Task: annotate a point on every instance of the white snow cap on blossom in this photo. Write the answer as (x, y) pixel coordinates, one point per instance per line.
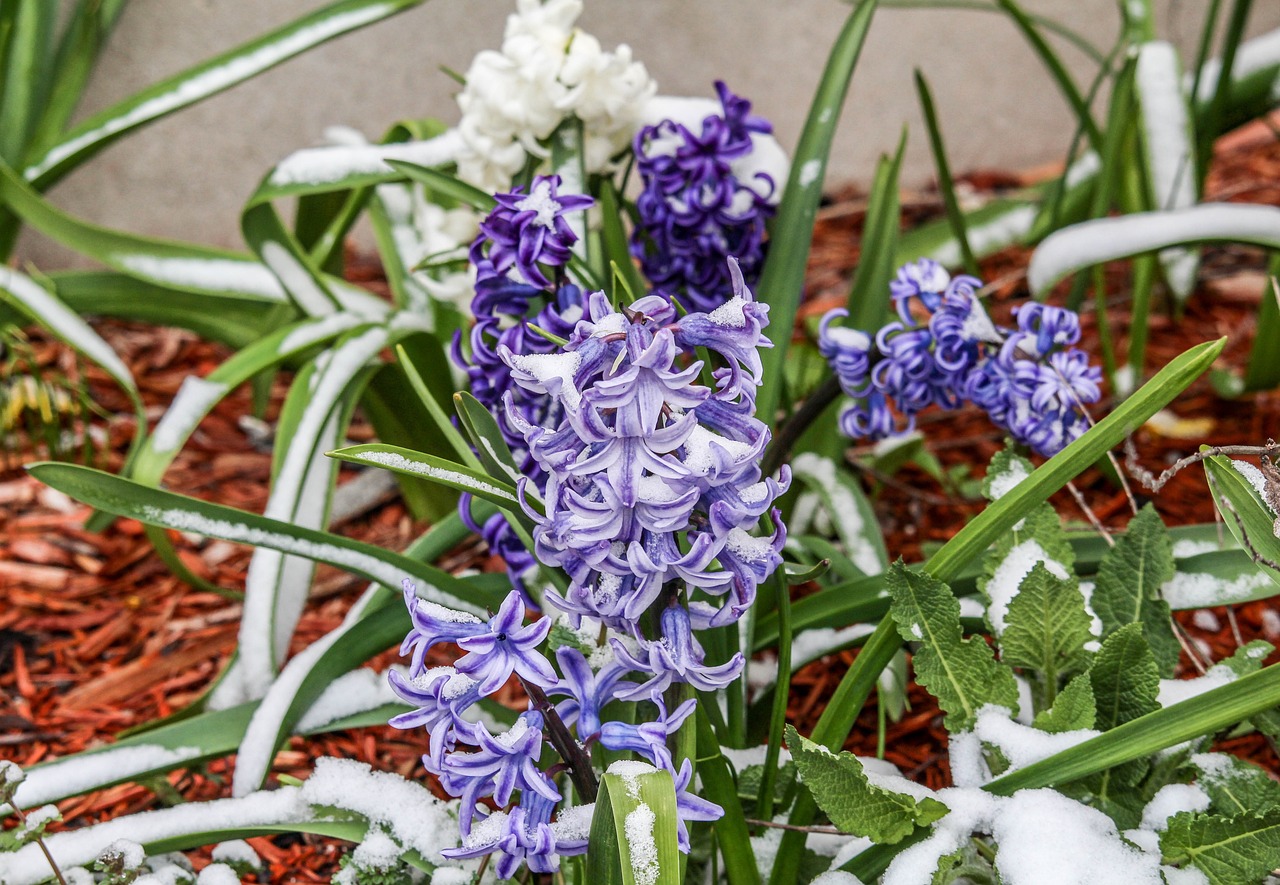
(546, 71)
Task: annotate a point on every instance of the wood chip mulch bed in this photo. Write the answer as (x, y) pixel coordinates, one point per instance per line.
(96, 636)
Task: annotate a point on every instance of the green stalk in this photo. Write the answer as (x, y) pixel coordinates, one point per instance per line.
(782, 281)
(781, 692)
(1222, 93)
(946, 185)
(1207, 30)
(731, 830)
(1056, 68)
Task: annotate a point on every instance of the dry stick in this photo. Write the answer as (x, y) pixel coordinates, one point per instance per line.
(1235, 627)
(797, 424)
(580, 771)
(1090, 515)
(826, 831)
(1155, 483)
(1188, 647)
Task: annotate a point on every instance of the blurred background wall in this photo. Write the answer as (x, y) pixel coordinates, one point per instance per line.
(187, 176)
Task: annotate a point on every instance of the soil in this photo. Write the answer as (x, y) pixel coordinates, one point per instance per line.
(96, 636)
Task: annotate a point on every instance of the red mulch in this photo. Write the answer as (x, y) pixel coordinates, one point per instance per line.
(96, 636)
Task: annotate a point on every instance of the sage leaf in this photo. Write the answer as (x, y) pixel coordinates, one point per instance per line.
(840, 785)
(1237, 850)
(1128, 586)
(962, 674)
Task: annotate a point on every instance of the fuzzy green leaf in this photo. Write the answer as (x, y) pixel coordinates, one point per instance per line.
(1235, 786)
(1046, 627)
(1125, 682)
(1238, 850)
(855, 805)
(961, 673)
(1124, 678)
(1128, 586)
(1073, 709)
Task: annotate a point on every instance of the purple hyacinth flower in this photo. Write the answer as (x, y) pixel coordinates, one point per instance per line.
(848, 351)
(441, 694)
(432, 624)
(526, 230)
(1048, 327)
(501, 765)
(677, 657)
(925, 281)
(587, 691)
(504, 646)
(649, 739)
(689, 807)
(527, 834)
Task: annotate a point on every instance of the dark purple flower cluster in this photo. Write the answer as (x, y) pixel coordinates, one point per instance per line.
(695, 211)
(651, 496)
(944, 350)
(524, 237)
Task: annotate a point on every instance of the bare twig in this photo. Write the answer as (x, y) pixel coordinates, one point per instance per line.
(826, 831)
(1090, 515)
(1153, 483)
(580, 771)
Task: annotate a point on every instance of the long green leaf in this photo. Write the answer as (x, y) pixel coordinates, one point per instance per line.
(207, 79)
(633, 830)
(1263, 372)
(782, 280)
(946, 184)
(155, 507)
(1106, 239)
(878, 257)
(440, 470)
(1253, 523)
(24, 83)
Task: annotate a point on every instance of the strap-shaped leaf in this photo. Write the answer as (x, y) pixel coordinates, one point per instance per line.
(165, 263)
(851, 514)
(207, 79)
(444, 183)
(486, 436)
(868, 302)
(1259, 521)
(1169, 146)
(781, 282)
(633, 829)
(124, 497)
(1106, 239)
(343, 167)
(441, 470)
(36, 303)
(235, 320)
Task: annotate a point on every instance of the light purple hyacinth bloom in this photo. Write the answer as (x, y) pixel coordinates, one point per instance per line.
(943, 350)
(653, 497)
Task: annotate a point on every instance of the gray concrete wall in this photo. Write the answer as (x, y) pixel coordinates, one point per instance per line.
(186, 177)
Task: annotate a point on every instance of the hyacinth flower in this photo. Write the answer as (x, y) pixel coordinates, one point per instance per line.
(525, 238)
(943, 350)
(652, 503)
(695, 211)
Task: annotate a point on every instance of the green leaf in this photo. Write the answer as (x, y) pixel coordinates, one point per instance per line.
(1107, 239)
(1247, 516)
(486, 436)
(633, 830)
(155, 507)
(782, 280)
(878, 258)
(718, 785)
(1237, 850)
(946, 184)
(206, 79)
(1235, 786)
(1128, 586)
(961, 673)
(1124, 678)
(1046, 628)
(439, 470)
(1263, 372)
(445, 184)
(851, 514)
(1073, 709)
(1125, 682)
(855, 805)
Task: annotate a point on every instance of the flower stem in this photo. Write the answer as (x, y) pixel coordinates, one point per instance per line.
(580, 771)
